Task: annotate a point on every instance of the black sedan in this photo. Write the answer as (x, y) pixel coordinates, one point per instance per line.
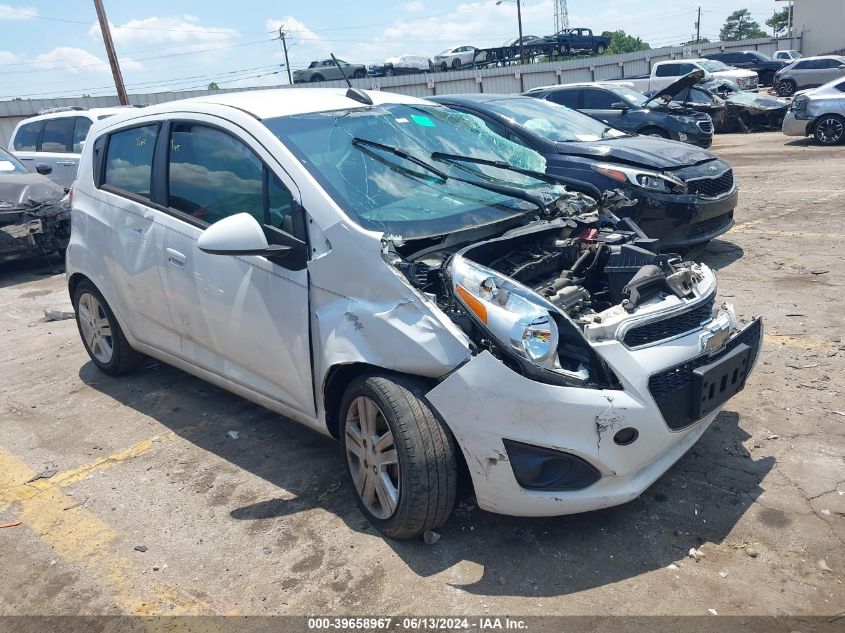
(684, 195)
(631, 111)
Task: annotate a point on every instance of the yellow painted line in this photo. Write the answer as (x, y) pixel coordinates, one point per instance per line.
(802, 342)
(81, 538)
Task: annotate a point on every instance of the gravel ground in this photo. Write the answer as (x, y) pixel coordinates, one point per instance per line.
(264, 524)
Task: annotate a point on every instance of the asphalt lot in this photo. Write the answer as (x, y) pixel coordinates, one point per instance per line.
(264, 524)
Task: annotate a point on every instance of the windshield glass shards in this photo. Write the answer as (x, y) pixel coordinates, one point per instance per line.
(553, 122)
(395, 191)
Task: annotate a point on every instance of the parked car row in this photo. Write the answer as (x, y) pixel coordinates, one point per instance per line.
(504, 243)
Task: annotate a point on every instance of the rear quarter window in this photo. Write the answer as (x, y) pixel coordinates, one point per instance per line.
(129, 159)
(26, 140)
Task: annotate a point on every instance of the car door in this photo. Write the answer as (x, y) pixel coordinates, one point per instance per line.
(24, 145)
(56, 150)
(244, 318)
(598, 103)
(828, 70)
(121, 225)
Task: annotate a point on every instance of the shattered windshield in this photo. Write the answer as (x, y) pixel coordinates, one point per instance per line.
(389, 193)
(553, 122)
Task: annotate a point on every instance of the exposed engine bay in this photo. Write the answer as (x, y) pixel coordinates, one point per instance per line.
(529, 288)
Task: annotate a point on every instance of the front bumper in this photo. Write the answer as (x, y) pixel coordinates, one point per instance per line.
(793, 126)
(484, 402)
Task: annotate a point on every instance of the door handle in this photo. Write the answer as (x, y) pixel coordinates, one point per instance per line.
(175, 259)
(66, 163)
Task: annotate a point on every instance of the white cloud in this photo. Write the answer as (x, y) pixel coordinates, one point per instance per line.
(17, 13)
(7, 58)
(77, 60)
(184, 30)
(414, 7)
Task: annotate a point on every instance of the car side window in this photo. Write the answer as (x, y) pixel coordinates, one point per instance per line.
(667, 70)
(802, 66)
(828, 63)
(683, 69)
(57, 135)
(598, 99)
(568, 98)
(26, 140)
(129, 159)
(213, 175)
(80, 131)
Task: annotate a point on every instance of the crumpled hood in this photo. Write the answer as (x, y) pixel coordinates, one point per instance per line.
(756, 101)
(26, 190)
(676, 87)
(641, 151)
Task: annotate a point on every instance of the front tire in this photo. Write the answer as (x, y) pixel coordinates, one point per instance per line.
(358, 74)
(101, 334)
(316, 78)
(829, 129)
(787, 88)
(456, 64)
(600, 49)
(400, 459)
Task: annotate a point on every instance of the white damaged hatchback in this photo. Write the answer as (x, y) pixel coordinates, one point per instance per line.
(394, 274)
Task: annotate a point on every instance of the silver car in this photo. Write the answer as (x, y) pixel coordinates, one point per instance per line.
(808, 72)
(819, 112)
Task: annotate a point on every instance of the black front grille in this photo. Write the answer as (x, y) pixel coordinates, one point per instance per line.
(672, 389)
(712, 187)
(706, 227)
(667, 328)
(706, 126)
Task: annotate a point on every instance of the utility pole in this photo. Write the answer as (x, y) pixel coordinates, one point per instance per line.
(110, 52)
(519, 19)
(698, 27)
(285, 49)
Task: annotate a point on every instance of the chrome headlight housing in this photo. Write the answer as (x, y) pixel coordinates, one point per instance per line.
(517, 318)
(642, 178)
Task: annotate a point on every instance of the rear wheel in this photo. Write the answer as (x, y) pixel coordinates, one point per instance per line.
(358, 74)
(787, 87)
(400, 459)
(315, 78)
(600, 49)
(456, 64)
(101, 334)
(829, 129)
(655, 131)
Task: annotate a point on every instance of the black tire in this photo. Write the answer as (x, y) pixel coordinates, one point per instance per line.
(829, 129)
(787, 87)
(444, 67)
(315, 78)
(600, 49)
(425, 451)
(123, 358)
(456, 64)
(358, 74)
(655, 131)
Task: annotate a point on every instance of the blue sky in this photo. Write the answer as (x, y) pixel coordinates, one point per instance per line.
(54, 48)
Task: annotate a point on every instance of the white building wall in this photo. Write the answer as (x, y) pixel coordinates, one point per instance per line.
(821, 23)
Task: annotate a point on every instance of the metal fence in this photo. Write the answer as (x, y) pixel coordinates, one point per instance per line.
(507, 79)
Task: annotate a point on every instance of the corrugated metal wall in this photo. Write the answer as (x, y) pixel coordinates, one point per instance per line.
(509, 79)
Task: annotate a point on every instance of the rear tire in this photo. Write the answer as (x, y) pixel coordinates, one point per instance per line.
(400, 459)
(456, 64)
(316, 78)
(829, 129)
(101, 334)
(358, 74)
(600, 49)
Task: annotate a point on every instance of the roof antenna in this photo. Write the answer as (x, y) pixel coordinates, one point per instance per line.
(352, 93)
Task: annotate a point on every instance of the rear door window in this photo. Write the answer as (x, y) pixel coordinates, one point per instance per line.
(598, 99)
(58, 135)
(213, 175)
(26, 140)
(129, 159)
(568, 98)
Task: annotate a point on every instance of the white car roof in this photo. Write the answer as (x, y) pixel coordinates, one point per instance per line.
(265, 104)
(93, 113)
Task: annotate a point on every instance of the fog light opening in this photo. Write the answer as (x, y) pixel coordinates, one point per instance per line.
(626, 436)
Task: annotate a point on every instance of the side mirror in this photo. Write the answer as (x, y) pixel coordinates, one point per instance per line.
(43, 169)
(238, 235)
(619, 105)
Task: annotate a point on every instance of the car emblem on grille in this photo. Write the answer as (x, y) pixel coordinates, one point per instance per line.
(715, 336)
(712, 168)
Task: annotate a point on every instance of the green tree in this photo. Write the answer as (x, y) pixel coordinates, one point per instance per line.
(703, 40)
(779, 22)
(740, 26)
(213, 86)
(621, 42)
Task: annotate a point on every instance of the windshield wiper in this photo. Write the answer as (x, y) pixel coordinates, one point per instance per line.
(576, 185)
(512, 192)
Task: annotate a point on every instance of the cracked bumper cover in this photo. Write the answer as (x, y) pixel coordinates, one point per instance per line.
(484, 401)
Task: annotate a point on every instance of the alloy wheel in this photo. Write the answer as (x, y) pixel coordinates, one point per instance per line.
(373, 460)
(96, 331)
(830, 130)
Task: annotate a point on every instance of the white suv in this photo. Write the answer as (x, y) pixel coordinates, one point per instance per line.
(55, 138)
(323, 254)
